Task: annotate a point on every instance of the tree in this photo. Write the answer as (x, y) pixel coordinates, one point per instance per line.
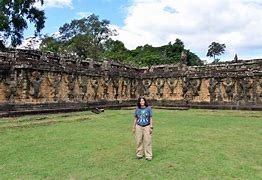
(168, 54)
(49, 44)
(146, 55)
(84, 37)
(193, 59)
(13, 19)
(90, 38)
(173, 51)
(215, 49)
(115, 50)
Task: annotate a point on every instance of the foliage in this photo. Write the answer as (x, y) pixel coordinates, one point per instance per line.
(148, 55)
(145, 55)
(115, 50)
(168, 54)
(215, 49)
(84, 37)
(91, 38)
(13, 19)
(193, 144)
(49, 44)
(193, 59)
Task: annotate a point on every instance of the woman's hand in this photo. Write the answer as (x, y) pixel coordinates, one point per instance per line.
(151, 130)
(133, 130)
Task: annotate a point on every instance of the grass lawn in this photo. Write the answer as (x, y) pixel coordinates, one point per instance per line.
(193, 144)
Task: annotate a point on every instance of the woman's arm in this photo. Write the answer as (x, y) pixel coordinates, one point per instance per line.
(134, 125)
(151, 125)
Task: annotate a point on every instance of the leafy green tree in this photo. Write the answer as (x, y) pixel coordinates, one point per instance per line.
(173, 51)
(168, 54)
(193, 59)
(89, 37)
(146, 55)
(13, 19)
(178, 46)
(50, 44)
(115, 50)
(215, 49)
(84, 37)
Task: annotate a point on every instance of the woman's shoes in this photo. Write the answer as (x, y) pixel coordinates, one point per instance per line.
(139, 157)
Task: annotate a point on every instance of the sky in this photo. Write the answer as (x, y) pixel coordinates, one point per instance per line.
(235, 23)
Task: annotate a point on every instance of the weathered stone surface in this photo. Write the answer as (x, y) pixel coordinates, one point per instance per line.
(36, 80)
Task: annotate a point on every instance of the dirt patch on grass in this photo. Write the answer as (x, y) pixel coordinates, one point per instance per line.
(44, 122)
(229, 115)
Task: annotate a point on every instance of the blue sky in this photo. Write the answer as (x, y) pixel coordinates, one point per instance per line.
(63, 12)
(236, 23)
(112, 10)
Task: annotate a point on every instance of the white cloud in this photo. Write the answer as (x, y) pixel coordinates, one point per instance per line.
(83, 14)
(55, 3)
(236, 23)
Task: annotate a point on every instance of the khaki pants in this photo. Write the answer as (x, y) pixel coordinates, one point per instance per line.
(143, 139)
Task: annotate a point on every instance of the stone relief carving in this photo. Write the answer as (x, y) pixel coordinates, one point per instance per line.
(35, 84)
(115, 87)
(260, 85)
(219, 93)
(133, 87)
(24, 83)
(71, 80)
(254, 89)
(54, 80)
(115, 81)
(195, 86)
(172, 84)
(12, 83)
(259, 93)
(146, 84)
(245, 85)
(160, 86)
(95, 86)
(83, 84)
(106, 86)
(125, 84)
(185, 86)
(212, 89)
(229, 86)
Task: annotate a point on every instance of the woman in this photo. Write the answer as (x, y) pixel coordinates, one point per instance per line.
(143, 128)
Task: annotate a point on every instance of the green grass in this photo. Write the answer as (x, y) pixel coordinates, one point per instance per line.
(193, 144)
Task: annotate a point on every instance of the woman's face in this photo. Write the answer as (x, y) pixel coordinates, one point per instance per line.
(142, 102)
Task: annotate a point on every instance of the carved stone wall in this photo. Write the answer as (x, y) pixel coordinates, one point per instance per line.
(228, 85)
(33, 80)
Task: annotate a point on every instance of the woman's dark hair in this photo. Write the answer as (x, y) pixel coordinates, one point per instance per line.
(138, 102)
